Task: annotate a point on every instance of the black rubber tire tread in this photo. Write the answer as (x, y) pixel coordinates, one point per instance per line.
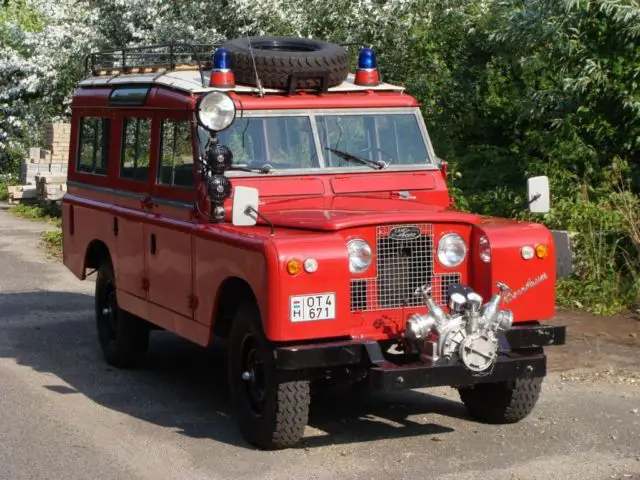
(286, 412)
(129, 347)
(275, 67)
(503, 402)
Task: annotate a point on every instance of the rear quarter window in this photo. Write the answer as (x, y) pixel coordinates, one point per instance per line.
(93, 145)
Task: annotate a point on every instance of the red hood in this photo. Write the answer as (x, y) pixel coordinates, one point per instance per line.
(337, 213)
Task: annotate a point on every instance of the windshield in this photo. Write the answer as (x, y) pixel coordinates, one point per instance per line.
(394, 139)
(289, 142)
(282, 142)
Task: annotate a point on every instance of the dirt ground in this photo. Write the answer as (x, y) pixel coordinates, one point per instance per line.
(607, 348)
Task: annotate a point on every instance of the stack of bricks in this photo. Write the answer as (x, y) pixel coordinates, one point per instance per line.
(43, 175)
(56, 138)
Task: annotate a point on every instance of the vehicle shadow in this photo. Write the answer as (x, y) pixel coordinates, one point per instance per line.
(183, 386)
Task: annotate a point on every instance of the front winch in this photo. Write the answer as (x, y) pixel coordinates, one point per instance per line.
(469, 333)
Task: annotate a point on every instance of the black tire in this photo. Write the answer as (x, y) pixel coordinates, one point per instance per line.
(503, 402)
(271, 415)
(276, 58)
(124, 338)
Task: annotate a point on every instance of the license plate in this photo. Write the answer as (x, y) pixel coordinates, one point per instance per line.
(307, 308)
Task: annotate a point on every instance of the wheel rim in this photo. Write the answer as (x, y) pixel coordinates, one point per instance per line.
(253, 363)
(108, 312)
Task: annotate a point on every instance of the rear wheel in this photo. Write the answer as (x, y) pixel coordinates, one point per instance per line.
(503, 402)
(124, 338)
(271, 414)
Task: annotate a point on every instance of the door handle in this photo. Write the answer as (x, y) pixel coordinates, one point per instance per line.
(147, 203)
(152, 245)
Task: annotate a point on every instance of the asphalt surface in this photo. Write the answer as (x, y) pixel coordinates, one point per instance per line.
(65, 415)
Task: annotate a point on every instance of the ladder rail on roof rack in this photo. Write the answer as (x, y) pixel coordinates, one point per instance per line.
(168, 57)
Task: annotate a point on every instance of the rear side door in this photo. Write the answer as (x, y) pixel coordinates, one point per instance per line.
(172, 223)
(133, 186)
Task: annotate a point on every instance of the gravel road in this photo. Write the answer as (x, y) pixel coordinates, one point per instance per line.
(65, 415)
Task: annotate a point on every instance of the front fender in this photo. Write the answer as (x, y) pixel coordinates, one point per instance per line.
(332, 276)
(532, 282)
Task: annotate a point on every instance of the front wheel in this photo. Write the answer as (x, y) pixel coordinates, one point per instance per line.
(502, 402)
(124, 338)
(271, 414)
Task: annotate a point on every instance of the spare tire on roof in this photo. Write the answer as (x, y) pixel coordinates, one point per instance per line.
(277, 58)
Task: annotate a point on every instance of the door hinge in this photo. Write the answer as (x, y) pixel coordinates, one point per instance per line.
(145, 284)
(193, 302)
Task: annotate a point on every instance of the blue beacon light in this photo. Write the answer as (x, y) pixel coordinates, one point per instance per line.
(221, 59)
(367, 59)
(367, 72)
(221, 73)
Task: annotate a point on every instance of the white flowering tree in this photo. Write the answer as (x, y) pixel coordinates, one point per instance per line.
(42, 44)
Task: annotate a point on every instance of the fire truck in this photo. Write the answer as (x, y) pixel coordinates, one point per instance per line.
(261, 192)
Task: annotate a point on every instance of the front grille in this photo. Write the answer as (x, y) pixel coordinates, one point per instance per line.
(404, 262)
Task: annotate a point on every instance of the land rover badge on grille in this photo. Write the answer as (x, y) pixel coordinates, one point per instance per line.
(404, 233)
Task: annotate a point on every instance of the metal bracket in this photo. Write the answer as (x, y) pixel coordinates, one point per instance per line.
(295, 76)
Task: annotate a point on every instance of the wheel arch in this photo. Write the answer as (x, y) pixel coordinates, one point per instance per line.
(96, 252)
(233, 292)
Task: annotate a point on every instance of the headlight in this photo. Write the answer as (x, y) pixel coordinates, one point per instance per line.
(451, 250)
(359, 255)
(215, 111)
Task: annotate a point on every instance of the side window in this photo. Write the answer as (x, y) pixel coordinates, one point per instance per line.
(93, 145)
(136, 156)
(176, 156)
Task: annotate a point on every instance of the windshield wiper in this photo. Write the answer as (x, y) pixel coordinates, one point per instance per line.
(350, 157)
(265, 169)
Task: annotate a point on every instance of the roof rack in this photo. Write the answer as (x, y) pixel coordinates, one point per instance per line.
(151, 58)
(162, 58)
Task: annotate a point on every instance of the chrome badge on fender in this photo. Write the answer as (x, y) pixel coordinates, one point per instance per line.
(529, 284)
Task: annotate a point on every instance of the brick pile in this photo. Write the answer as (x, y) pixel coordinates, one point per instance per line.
(43, 176)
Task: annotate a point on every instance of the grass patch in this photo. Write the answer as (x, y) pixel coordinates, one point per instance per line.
(49, 213)
(52, 240)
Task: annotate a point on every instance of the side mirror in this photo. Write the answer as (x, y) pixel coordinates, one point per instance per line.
(244, 212)
(538, 194)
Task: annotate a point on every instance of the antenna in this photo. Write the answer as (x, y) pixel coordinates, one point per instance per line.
(255, 69)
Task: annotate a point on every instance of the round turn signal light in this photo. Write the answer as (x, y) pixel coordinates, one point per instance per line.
(542, 251)
(294, 266)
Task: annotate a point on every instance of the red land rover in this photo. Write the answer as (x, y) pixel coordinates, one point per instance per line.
(267, 196)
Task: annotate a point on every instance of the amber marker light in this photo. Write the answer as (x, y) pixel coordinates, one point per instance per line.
(542, 251)
(294, 266)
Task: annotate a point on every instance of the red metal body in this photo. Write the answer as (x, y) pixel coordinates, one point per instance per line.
(178, 286)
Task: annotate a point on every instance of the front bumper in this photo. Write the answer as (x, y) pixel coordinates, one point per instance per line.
(520, 357)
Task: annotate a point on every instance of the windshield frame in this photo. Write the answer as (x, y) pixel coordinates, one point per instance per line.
(431, 162)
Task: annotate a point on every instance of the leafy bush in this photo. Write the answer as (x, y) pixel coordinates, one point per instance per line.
(6, 181)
